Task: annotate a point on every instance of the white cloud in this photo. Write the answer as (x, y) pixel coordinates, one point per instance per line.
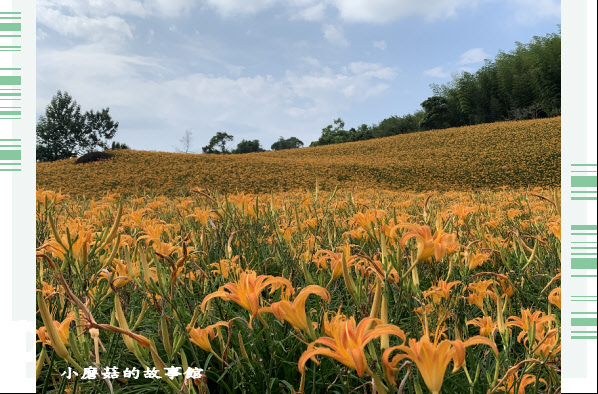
(379, 45)
(380, 11)
(40, 34)
(96, 7)
(139, 8)
(94, 28)
(167, 8)
(312, 13)
(228, 8)
(437, 72)
(531, 11)
(373, 70)
(312, 61)
(474, 55)
(335, 35)
(141, 91)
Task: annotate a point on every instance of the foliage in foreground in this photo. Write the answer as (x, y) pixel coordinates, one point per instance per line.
(516, 154)
(308, 292)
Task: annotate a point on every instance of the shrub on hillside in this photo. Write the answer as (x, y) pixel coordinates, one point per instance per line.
(93, 156)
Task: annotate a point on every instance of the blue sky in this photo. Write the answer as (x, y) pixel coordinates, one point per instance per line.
(261, 69)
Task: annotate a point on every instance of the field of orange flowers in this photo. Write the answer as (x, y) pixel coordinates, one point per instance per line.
(352, 290)
(515, 154)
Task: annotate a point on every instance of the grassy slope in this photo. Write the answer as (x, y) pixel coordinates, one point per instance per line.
(517, 154)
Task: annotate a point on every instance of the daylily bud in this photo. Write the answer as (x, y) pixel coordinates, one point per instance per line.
(242, 346)
(51, 330)
(347, 276)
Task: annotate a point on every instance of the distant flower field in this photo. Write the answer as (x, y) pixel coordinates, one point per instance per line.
(515, 154)
(353, 290)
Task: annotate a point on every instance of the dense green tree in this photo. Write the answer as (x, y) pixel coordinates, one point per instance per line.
(218, 141)
(395, 125)
(334, 134)
(435, 113)
(64, 131)
(289, 143)
(246, 146)
(119, 145)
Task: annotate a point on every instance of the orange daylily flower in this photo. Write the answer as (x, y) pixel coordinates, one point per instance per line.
(478, 291)
(321, 257)
(509, 385)
(432, 358)
(369, 266)
(62, 328)
(474, 260)
(331, 326)
(555, 297)
(294, 313)
(555, 228)
(346, 345)
(203, 216)
(47, 289)
(154, 232)
(527, 320)
(202, 337)
(547, 344)
(440, 291)
(461, 212)
(119, 277)
(367, 220)
(486, 325)
(246, 291)
(225, 267)
(428, 245)
(79, 248)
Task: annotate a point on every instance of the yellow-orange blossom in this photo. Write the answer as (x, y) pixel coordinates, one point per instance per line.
(246, 291)
(347, 342)
(432, 358)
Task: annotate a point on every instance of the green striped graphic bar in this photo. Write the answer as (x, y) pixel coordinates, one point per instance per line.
(583, 227)
(588, 321)
(10, 80)
(10, 48)
(6, 154)
(584, 181)
(583, 264)
(584, 322)
(10, 27)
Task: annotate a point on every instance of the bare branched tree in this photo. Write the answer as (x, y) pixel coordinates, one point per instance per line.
(186, 143)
